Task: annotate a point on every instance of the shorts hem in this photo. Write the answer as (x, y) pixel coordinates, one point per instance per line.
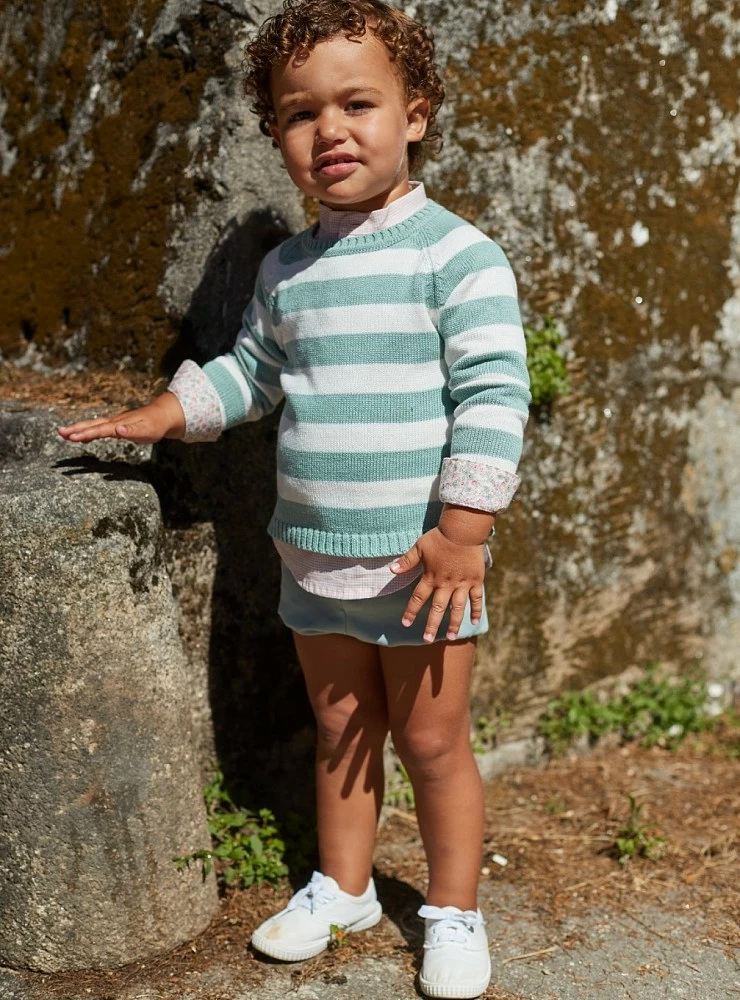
(374, 620)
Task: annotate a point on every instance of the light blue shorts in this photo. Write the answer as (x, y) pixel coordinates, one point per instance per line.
(370, 619)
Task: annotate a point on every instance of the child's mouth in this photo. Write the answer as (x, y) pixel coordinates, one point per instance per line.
(339, 167)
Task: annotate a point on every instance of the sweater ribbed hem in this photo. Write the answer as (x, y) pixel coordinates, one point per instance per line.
(337, 543)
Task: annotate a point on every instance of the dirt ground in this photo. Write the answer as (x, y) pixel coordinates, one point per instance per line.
(78, 390)
(565, 918)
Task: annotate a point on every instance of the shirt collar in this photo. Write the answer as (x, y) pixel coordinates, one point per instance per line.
(337, 223)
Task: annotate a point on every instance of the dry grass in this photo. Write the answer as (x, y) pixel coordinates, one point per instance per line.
(78, 390)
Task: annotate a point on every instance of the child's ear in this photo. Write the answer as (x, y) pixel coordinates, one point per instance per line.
(417, 118)
(275, 133)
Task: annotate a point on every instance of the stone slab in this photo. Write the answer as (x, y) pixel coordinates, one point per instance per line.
(99, 780)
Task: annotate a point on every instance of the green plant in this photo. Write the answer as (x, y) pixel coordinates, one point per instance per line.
(487, 731)
(657, 709)
(660, 709)
(399, 792)
(574, 714)
(337, 935)
(555, 805)
(248, 845)
(636, 840)
(547, 369)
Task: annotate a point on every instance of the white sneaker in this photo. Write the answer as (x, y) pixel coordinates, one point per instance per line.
(456, 959)
(303, 928)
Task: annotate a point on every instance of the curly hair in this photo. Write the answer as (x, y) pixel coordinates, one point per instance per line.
(303, 23)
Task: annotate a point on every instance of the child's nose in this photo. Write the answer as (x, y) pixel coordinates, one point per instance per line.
(330, 126)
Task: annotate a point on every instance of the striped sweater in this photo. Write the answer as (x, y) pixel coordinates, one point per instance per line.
(401, 358)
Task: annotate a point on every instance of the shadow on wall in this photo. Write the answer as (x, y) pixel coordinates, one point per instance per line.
(256, 691)
(214, 316)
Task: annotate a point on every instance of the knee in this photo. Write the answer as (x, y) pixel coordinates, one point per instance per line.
(342, 727)
(430, 751)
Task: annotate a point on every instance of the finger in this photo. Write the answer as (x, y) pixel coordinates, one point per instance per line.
(459, 600)
(81, 425)
(84, 425)
(417, 600)
(476, 604)
(407, 561)
(440, 600)
(103, 429)
(85, 434)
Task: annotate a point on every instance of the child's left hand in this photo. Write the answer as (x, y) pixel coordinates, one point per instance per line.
(453, 570)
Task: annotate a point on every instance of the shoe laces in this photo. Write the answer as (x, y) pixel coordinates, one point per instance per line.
(451, 925)
(313, 895)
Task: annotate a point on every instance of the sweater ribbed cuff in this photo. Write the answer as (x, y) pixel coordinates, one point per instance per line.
(481, 485)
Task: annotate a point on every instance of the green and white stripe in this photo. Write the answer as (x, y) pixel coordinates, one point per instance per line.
(393, 351)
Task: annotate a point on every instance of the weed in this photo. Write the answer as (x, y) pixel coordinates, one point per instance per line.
(636, 840)
(487, 731)
(547, 370)
(399, 792)
(337, 935)
(574, 714)
(658, 709)
(555, 805)
(248, 845)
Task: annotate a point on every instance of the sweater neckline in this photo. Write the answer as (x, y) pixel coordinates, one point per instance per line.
(376, 240)
(337, 223)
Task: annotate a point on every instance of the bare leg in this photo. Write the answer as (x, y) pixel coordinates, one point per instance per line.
(428, 708)
(347, 694)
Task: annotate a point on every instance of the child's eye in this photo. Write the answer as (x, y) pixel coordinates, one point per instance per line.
(359, 105)
(299, 116)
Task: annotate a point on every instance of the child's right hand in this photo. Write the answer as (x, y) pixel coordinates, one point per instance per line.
(163, 418)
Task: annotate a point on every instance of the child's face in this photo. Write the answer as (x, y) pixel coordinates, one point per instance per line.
(343, 123)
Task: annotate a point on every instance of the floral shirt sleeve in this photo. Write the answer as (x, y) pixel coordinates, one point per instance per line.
(481, 485)
(201, 404)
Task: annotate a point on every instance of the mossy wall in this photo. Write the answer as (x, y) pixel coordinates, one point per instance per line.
(596, 141)
(131, 170)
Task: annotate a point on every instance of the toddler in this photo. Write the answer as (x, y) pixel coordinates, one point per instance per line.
(391, 329)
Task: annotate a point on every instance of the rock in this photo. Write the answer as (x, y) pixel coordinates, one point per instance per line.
(11, 988)
(515, 753)
(98, 778)
(247, 698)
(28, 433)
